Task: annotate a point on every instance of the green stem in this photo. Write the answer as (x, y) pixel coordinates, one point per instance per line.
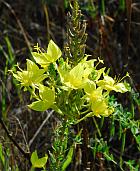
(97, 127)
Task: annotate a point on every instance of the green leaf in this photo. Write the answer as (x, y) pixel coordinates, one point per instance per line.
(109, 158)
(103, 7)
(123, 142)
(137, 139)
(69, 159)
(122, 4)
(55, 108)
(53, 52)
(85, 117)
(1, 154)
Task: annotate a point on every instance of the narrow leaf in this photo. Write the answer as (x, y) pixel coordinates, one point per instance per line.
(68, 160)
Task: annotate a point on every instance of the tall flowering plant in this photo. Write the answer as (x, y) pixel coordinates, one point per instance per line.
(78, 91)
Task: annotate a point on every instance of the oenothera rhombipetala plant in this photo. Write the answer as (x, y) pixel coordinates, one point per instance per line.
(75, 91)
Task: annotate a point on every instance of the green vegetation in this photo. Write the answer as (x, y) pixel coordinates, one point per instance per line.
(92, 114)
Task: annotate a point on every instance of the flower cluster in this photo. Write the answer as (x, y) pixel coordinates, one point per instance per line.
(95, 83)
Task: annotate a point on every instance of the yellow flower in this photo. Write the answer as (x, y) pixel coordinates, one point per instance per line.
(43, 58)
(33, 75)
(99, 102)
(47, 98)
(109, 84)
(100, 108)
(77, 77)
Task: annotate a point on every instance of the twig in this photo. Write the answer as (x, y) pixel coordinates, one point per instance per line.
(39, 129)
(47, 21)
(98, 130)
(19, 23)
(25, 154)
(24, 137)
